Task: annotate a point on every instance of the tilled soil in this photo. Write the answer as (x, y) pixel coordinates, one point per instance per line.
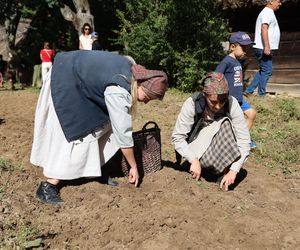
(168, 211)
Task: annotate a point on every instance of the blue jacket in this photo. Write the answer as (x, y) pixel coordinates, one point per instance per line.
(78, 81)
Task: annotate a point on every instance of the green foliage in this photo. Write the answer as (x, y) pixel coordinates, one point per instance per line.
(9, 9)
(144, 36)
(46, 24)
(187, 73)
(181, 37)
(106, 21)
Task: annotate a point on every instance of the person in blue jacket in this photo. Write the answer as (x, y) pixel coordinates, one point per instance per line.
(84, 116)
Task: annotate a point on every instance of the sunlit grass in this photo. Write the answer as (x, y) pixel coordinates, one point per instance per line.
(276, 129)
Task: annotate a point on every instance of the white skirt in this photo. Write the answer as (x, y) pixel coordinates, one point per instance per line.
(59, 158)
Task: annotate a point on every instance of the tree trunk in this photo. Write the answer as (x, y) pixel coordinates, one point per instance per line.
(8, 34)
(4, 44)
(82, 15)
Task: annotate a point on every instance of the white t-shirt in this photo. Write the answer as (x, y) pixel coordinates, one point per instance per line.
(267, 16)
(86, 42)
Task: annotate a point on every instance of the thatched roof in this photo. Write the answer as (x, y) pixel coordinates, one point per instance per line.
(233, 4)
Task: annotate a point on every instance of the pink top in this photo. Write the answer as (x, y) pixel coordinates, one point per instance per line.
(46, 55)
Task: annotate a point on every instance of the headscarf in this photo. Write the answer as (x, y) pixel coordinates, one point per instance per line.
(215, 83)
(154, 82)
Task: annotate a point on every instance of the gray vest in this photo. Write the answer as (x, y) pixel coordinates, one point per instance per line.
(78, 81)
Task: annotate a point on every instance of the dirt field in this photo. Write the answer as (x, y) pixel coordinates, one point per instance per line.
(168, 211)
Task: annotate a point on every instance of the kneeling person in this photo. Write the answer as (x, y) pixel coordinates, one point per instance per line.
(211, 132)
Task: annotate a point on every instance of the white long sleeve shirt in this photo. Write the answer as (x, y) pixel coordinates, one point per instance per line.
(184, 124)
(118, 102)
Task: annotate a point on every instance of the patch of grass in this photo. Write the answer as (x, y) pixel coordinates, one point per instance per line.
(288, 109)
(277, 133)
(20, 87)
(176, 92)
(4, 189)
(280, 136)
(33, 90)
(5, 166)
(19, 234)
(6, 169)
(276, 129)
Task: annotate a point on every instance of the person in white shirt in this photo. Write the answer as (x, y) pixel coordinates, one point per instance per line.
(267, 37)
(85, 39)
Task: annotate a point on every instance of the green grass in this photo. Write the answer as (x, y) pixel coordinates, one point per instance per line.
(277, 132)
(276, 129)
(5, 166)
(19, 234)
(18, 86)
(15, 232)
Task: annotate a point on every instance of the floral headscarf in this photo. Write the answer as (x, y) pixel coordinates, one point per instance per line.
(215, 83)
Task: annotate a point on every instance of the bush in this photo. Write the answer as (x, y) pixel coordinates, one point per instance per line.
(181, 37)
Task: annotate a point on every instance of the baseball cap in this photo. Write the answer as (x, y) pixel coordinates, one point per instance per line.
(95, 34)
(240, 37)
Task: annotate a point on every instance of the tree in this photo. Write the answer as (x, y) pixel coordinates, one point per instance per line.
(182, 37)
(11, 13)
(81, 15)
(33, 12)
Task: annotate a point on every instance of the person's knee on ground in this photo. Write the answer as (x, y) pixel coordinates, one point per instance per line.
(250, 115)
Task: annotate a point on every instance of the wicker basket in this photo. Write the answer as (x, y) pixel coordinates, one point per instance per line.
(147, 150)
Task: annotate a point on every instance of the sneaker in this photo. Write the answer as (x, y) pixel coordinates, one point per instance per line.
(253, 144)
(48, 193)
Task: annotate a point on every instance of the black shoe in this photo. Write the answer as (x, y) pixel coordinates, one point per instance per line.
(48, 193)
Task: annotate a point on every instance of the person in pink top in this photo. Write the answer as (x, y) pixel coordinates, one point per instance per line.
(46, 56)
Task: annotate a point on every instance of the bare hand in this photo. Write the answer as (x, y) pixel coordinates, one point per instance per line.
(134, 176)
(267, 51)
(195, 169)
(228, 179)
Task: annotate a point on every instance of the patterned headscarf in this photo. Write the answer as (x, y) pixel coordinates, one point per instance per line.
(215, 83)
(154, 82)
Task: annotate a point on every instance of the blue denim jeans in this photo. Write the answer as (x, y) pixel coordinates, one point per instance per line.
(262, 76)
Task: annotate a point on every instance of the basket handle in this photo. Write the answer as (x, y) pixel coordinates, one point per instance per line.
(150, 122)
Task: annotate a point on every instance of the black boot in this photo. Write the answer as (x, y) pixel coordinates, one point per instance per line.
(48, 193)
